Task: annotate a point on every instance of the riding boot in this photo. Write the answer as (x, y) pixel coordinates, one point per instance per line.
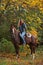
(24, 43)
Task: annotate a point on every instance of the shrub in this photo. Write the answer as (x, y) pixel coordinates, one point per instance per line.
(6, 46)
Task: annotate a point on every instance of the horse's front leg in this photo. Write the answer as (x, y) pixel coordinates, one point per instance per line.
(17, 51)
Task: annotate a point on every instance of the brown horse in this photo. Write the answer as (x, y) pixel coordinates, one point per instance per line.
(31, 41)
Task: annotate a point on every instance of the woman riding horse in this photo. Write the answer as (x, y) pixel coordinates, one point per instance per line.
(22, 29)
(31, 41)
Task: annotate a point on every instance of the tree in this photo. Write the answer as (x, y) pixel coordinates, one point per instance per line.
(30, 10)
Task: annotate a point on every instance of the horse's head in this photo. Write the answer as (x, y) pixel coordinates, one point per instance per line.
(13, 29)
(15, 33)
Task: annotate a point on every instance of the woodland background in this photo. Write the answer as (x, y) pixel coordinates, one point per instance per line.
(31, 11)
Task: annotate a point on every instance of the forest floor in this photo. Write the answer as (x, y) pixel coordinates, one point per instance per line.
(10, 58)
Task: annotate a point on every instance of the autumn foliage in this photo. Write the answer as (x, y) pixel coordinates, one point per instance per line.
(31, 11)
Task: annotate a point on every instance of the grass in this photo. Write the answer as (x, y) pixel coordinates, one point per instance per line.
(10, 59)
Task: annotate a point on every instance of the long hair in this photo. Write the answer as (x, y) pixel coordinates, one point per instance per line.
(20, 22)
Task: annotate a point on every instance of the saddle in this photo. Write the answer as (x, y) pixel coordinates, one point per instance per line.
(27, 37)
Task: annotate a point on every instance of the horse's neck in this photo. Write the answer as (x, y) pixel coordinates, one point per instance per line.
(17, 36)
(16, 33)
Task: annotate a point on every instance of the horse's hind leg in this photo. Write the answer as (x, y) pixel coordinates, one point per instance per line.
(32, 51)
(33, 54)
(31, 48)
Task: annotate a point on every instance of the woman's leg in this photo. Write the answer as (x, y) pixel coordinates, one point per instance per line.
(22, 36)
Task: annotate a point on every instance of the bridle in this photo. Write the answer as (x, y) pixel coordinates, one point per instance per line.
(13, 31)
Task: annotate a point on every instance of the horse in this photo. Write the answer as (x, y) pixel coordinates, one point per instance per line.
(17, 41)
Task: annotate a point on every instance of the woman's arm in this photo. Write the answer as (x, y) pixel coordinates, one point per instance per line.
(25, 26)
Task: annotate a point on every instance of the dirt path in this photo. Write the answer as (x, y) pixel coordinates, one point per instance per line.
(10, 59)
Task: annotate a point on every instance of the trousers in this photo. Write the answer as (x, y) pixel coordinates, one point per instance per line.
(22, 36)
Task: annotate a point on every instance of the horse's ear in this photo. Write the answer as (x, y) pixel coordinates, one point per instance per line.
(12, 25)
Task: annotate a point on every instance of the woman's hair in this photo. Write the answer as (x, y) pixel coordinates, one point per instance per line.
(20, 22)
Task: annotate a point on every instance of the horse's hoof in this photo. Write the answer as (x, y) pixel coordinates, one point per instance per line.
(33, 56)
(17, 57)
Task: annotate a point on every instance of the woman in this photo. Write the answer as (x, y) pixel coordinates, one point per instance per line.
(22, 29)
